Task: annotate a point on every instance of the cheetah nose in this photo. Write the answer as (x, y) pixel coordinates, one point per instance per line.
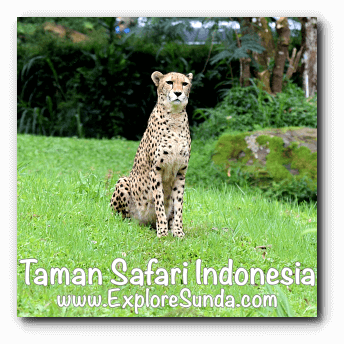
(177, 93)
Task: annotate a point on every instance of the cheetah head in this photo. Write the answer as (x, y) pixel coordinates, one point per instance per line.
(173, 89)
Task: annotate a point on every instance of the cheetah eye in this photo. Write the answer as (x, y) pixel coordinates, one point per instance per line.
(169, 82)
(185, 84)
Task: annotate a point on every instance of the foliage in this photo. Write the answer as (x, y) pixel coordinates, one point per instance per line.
(251, 108)
(108, 90)
(201, 169)
(60, 97)
(301, 189)
(101, 87)
(229, 50)
(244, 43)
(66, 99)
(82, 24)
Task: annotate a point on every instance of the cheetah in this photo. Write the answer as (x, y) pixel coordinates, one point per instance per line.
(153, 192)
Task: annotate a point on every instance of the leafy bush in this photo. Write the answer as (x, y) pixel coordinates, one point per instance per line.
(101, 87)
(81, 24)
(300, 190)
(47, 85)
(250, 108)
(201, 169)
(67, 88)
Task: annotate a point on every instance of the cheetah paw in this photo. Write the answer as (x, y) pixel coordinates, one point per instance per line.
(162, 234)
(179, 234)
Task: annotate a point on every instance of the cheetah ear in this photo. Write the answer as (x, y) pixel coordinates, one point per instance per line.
(189, 76)
(156, 76)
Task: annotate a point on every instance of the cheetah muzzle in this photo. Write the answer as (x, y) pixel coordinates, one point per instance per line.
(153, 192)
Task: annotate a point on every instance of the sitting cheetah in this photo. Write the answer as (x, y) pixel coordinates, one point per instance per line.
(153, 192)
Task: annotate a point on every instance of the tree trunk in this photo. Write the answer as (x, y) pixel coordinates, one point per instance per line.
(282, 27)
(309, 31)
(293, 62)
(264, 32)
(245, 73)
(264, 78)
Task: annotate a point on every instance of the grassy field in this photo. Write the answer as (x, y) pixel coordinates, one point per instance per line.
(64, 220)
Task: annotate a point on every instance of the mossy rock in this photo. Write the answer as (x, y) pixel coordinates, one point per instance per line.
(270, 155)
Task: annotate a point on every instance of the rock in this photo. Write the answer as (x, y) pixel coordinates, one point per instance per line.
(270, 155)
(304, 136)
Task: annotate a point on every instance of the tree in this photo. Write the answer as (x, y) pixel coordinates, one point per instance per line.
(245, 73)
(309, 41)
(275, 52)
(240, 47)
(254, 46)
(263, 59)
(282, 27)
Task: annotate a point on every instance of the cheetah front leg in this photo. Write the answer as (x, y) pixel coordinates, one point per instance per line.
(177, 199)
(158, 194)
(121, 197)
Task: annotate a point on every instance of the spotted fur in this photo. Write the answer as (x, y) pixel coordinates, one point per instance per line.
(153, 192)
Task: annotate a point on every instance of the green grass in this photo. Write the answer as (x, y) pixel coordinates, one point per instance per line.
(64, 220)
